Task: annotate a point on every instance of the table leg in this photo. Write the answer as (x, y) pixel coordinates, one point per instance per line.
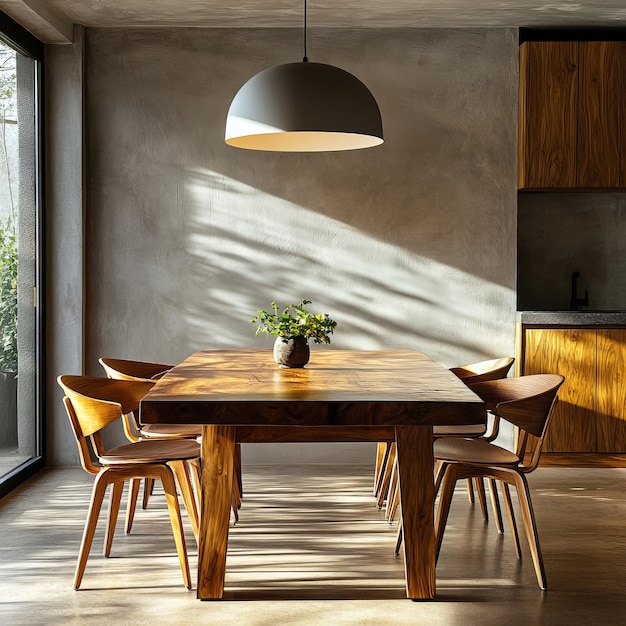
(218, 449)
(417, 497)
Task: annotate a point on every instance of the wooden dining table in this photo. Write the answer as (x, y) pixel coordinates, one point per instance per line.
(242, 396)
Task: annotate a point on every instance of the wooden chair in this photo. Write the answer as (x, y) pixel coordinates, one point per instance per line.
(124, 369)
(386, 476)
(493, 369)
(527, 403)
(92, 403)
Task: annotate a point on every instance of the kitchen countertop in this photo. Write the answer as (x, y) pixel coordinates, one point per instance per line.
(573, 318)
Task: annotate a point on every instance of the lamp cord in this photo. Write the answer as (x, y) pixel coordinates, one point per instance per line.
(305, 58)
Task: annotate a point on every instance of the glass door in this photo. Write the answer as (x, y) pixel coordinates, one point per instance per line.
(21, 444)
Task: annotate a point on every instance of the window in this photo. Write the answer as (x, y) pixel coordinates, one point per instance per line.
(21, 433)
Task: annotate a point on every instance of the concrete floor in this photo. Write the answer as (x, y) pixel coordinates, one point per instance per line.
(10, 458)
(311, 548)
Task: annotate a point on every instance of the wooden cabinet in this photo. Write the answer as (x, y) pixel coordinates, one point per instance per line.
(591, 413)
(611, 391)
(548, 108)
(571, 108)
(572, 354)
(599, 114)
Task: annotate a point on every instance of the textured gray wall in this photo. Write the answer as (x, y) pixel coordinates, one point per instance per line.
(64, 237)
(409, 245)
(562, 233)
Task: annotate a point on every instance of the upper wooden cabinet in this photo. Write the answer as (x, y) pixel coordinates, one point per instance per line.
(571, 107)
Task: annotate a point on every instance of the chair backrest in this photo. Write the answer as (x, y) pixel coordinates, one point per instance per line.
(93, 402)
(526, 402)
(123, 369)
(83, 446)
(493, 369)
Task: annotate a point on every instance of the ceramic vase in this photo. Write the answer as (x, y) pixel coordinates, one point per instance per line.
(294, 352)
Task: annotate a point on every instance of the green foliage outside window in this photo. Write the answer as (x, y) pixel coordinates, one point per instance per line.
(8, 234)
(8, 297)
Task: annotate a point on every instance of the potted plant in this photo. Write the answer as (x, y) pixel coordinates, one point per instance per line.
(8, 333)
(293, 327)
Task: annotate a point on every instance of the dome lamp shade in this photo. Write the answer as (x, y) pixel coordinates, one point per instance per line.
(304, 107)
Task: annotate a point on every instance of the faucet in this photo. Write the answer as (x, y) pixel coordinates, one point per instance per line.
(575, 300)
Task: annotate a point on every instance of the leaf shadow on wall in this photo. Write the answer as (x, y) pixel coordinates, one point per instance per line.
(247, 248)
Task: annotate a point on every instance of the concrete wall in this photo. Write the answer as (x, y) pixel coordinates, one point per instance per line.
(64, 238)
(408, 245)
(563, 233)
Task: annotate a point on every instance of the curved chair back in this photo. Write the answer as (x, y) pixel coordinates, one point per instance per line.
(123, 369)
(526, 402)
(97, 402)
(484, 370)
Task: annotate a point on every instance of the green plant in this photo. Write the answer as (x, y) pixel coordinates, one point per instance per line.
(8, 297)
(295, 321)
(8, 235)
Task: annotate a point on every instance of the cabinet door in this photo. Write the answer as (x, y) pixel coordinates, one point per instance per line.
(548, 110)
(599, 113)
(571, 353)
(611, 403)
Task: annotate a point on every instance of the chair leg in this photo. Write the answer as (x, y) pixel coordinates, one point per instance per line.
(530, 526)
(440, 470)
(194, 468)
(114, 507)
(97, 496)
(470, 491)
(234, 505)
(382, 495)
(495, 502)
(443, 510)
(511, 515)
(399, 536)
(169, 486)
(148, 486)
(131, 506)
(392, 493)
(394, 506)
(238, 474)
(482, 496)
(184, 483)
(236, 495)
(382, 454)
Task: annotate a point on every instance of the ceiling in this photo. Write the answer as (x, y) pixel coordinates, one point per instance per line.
(51, 20)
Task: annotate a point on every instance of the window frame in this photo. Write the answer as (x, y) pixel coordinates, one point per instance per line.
(26, 44)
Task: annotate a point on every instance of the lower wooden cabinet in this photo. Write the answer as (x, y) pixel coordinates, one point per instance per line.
(610, 391)
(591, 413)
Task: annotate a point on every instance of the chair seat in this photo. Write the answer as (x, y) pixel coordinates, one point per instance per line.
(171, 430)
(152, 451)
(468, 430)
(473, 451)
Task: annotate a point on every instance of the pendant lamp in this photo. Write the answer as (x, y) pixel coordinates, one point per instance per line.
(304, 107)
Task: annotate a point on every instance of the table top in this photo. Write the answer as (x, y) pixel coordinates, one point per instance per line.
(337, 387)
